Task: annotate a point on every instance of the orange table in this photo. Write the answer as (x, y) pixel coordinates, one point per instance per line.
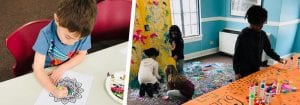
(236, 92)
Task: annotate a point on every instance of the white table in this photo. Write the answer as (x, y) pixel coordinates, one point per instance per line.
(25, 90)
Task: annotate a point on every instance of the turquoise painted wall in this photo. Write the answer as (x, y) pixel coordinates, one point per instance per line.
(273, 7)
(210, 30)
(274, 11)
(208, 35)
(287, 35)
(211, 8)
(296, 47)
(284, 39)
(290, 10)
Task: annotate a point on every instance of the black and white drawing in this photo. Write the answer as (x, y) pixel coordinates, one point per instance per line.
(78, 86)
(74, 90)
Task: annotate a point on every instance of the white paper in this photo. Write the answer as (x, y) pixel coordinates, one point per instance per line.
(81, 85)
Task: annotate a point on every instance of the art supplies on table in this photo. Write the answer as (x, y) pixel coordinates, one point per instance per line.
(115, 85)
(268, 89)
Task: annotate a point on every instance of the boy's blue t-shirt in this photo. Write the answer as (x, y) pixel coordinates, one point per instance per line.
(55, 51)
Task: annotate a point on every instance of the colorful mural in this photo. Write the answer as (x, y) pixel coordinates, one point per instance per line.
(152, 22)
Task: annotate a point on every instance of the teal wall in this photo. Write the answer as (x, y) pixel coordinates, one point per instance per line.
(286, 36)
(210, 30)
(273, 7)
(290, 10)
(284, 39)
(296, 47)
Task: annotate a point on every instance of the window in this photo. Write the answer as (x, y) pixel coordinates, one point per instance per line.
(185, 14)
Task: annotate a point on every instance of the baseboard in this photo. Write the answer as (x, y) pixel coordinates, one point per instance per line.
(200, 53)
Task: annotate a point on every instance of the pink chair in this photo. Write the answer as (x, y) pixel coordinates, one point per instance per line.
(20, 43)
(112, 21)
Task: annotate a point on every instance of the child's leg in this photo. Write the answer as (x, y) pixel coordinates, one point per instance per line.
(142, 90)
(179, 65)
(175, 94)
(149, 89)
(156, 88)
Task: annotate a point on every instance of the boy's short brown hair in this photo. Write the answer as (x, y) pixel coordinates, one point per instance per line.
(77, 15)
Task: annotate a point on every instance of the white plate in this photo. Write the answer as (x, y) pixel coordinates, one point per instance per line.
(109, 83)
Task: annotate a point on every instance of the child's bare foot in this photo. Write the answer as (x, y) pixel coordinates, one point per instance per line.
(165, 97)
(141, 97)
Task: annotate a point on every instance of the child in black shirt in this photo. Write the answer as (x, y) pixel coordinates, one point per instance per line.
(177, 44)
(251, 42)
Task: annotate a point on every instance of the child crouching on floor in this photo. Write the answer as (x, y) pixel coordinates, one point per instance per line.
(179, 87)
(148, 73)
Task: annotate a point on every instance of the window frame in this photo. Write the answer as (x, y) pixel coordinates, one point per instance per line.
(191, 37)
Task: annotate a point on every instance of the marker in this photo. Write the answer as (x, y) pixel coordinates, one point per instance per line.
(268, 98)
(60, 87)
(252, 88)
(278, 87)
(291, 63)
(298, 62)
(68, 89)
(251, 95)
(256, 88)
(262, 89)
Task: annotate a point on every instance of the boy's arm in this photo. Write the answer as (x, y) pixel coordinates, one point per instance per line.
(156, 71)
(267, 48)
(40, 74)
(42, 77)
(238, 55)
(59, 71)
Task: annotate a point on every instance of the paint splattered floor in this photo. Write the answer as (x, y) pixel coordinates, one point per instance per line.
(134, 99)
(206, 76)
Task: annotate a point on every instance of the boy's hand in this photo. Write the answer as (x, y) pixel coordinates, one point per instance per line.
(237, 76)
(175, 57)
(60, 92)
(283, 61)
(55, 75)
(173, 45)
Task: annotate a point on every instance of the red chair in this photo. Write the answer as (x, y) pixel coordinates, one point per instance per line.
(20, 43)
(112, 21)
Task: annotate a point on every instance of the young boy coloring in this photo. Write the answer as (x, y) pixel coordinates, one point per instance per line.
(64, 42)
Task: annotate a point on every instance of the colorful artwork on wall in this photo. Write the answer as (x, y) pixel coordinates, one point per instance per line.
(152, 20)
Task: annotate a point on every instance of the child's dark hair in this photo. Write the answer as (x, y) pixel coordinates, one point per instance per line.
(151, 52)
(170, 69)
(256, 15)
(175, 28)
(77, 15)
(175, 79)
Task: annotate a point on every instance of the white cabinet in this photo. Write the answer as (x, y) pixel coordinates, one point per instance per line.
(227, 39)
